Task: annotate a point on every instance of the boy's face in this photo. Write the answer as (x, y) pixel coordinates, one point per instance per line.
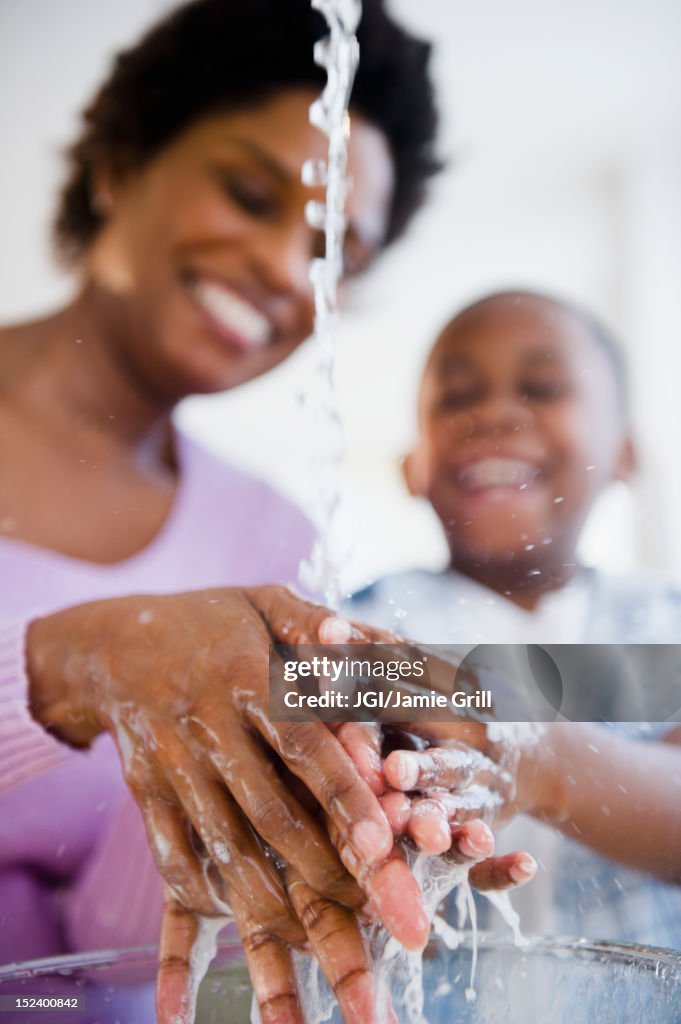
(520, 429)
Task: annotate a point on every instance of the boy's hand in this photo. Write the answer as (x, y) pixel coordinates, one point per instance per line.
(438, 796)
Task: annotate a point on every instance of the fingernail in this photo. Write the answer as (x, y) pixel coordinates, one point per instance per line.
(524, 869)
(368, 911)
(479, 843)
(373, 842)
(406, 771)
(335, 630)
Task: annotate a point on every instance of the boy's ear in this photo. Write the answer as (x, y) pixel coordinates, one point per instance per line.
(414, 474)
(628, 461)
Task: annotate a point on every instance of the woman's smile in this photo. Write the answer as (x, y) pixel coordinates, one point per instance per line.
(206, 250)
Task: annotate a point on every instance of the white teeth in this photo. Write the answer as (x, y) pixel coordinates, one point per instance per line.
(233, 313)
(497, 472)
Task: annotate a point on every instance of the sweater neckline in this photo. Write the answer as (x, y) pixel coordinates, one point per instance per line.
(181, 445)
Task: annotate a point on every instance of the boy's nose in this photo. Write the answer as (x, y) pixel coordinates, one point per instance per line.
(499, 414)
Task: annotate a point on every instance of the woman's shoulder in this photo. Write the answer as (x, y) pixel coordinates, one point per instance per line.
(246, 520)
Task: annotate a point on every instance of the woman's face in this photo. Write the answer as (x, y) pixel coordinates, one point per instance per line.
(204, 260)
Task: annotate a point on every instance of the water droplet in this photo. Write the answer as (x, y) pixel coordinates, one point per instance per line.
(314, 173)
(315, 214)
(529, 547)
(557, 501)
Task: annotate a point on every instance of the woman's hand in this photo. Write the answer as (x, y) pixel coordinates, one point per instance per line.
(333, 937)
(181, 683)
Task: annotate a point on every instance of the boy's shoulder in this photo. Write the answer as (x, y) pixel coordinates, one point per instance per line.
(635, 609)
(402, 601)
(398, 583)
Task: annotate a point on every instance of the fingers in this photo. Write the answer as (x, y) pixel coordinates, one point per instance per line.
(231, 846)
(337, 943)
(437, 825)
(396, 898)
(472, 841)
(279, 818)
(271, 969)
(289, 619)
(168, 833)
(362, 742)
(510, 871)
(313, 753)
(397, 809)
(441, 767)
(393, 893)
(336, 630)
(175, 987)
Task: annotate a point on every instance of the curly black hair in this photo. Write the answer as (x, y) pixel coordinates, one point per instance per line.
(214, 55)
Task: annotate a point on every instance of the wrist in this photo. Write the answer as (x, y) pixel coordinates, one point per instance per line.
(541, 784)
(61, 672)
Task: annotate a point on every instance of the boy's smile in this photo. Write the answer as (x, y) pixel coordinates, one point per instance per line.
(521, 427)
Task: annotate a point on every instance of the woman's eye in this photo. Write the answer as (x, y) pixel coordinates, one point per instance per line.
(250, 196)
(356, 259)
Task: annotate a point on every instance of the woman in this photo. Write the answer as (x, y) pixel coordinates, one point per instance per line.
(183, 217)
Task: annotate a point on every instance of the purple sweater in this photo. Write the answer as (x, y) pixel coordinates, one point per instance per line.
(76, 872)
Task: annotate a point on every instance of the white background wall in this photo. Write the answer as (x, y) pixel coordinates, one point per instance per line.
(564, 125)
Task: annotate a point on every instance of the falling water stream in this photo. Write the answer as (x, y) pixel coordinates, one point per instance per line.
(338, 54)
(398, 973)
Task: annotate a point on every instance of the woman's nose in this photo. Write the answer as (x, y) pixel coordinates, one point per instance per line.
(285, 258)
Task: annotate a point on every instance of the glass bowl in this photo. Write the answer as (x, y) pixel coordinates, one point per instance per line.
(548, 981)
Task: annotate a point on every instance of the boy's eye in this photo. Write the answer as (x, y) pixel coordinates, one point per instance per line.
(250, 195)
(543, 390)
(456, 398)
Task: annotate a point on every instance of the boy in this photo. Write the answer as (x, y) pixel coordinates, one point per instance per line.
(523, 421)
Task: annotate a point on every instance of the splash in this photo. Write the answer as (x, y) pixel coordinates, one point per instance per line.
(398, 973)
(338, 54)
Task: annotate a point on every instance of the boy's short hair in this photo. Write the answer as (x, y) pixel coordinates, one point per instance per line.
(211, 56)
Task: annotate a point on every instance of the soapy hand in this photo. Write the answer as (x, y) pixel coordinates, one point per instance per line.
(442, 785)
(181, 683)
